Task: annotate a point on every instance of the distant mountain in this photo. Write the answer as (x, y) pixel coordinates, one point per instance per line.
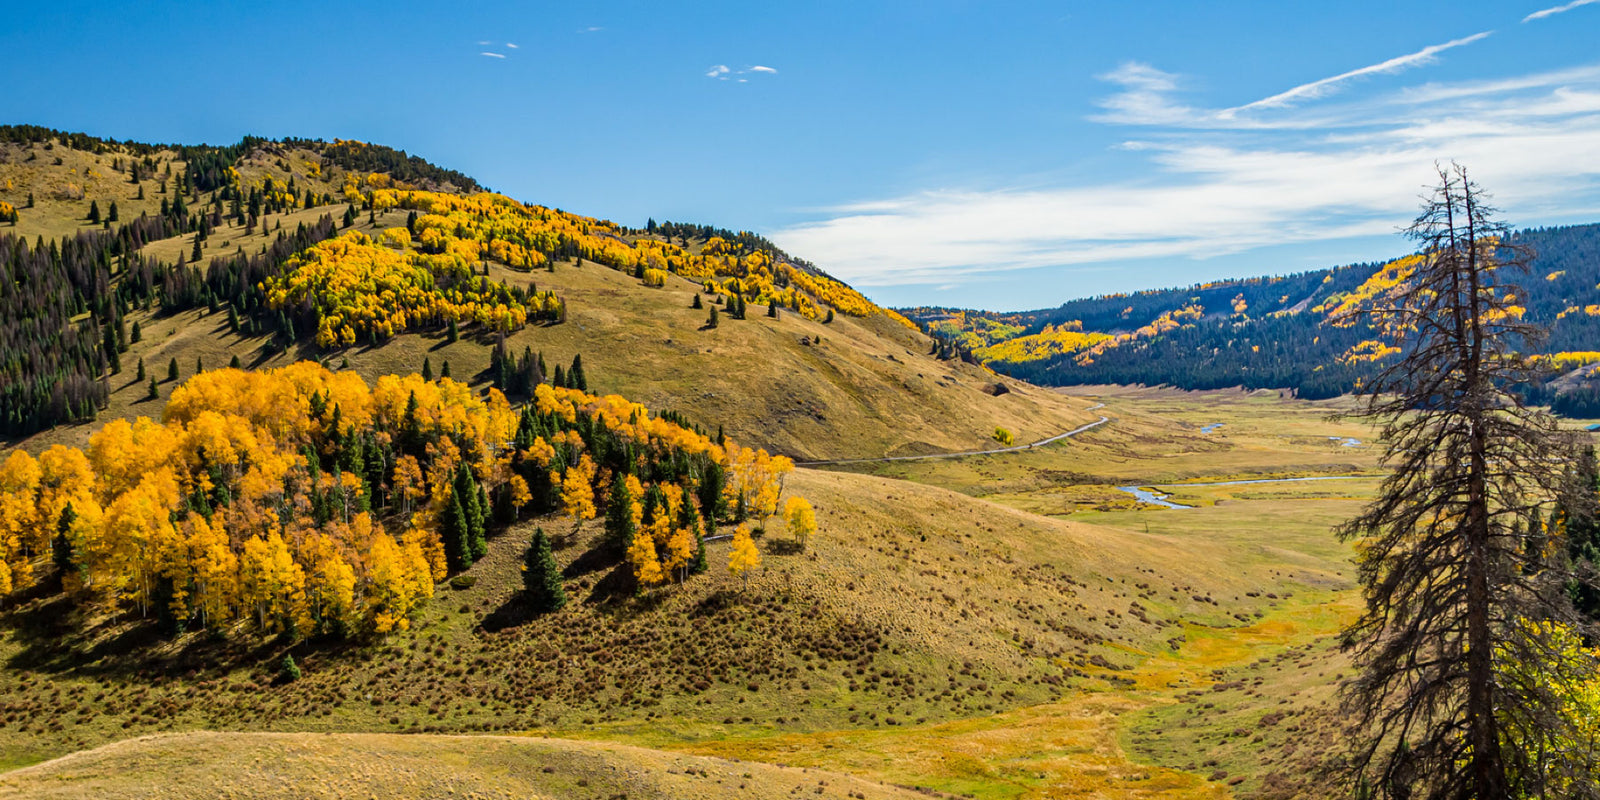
(1268, 332)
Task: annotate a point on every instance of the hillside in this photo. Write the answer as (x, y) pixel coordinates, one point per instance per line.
(913, 604)
(338, 532)
(1268, 332)
(811, 382)
(206, 765)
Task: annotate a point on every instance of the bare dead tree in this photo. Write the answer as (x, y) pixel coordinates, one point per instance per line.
(1464, 686)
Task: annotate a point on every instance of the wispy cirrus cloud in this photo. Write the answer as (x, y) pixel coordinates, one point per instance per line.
(1561, 9)
(1326, 86)
(492, 55)
(1220, 184)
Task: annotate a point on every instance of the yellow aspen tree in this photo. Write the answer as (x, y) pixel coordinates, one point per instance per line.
(392, 591)
(330, 585)
(88, 544)
(215, 570)
(743, 556)
(19, 515)
(520, 494)
(65, 479)
(661, 529)
(635, 505)
(273, 584)
(642, 557)
(680, 552)
(139, 535)
(409, 483)
(802, 519)
(424, 545)
(577, 491)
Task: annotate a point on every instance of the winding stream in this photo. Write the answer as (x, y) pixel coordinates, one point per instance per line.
(1144, 495)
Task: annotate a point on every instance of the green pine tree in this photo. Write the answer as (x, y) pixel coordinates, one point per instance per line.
(541, 578)
(61, 545)
(457, 535)
(575, 374)
(619, 514)
(480, 532)
(475, 511)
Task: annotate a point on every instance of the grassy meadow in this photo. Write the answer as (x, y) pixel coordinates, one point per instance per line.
(928, 638)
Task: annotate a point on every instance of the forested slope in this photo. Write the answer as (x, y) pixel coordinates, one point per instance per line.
(128, 263)
(1269, 332)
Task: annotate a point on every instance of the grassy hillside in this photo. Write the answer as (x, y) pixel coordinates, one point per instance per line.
(211, 765)
(858, 385)
(913, 604)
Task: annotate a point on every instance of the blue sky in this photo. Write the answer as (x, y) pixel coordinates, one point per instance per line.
(998, 155)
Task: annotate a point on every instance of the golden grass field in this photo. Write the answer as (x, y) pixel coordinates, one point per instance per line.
(204, 766)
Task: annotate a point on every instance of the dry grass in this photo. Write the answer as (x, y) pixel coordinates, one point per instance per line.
(305, 766)
(62, 192)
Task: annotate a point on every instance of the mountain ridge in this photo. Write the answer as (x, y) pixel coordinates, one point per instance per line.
(1276, 332)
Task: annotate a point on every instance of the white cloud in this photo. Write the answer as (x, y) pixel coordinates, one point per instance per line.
(1215, 187)
(722, 72)
(1325, 86)
(1561, 9)
(484, 43)
(1145, 98)
(493, 55)
(591, 29)
(510, 45)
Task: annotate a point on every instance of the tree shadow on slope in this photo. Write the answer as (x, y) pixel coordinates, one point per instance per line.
(57, 634)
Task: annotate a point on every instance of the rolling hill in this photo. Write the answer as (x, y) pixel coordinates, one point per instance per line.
(811, 383)
(1274, 332)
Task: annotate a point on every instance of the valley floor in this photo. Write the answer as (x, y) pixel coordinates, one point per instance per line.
(1000, 626)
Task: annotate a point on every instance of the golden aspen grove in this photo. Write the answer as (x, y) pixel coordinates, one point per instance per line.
(302, 500)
